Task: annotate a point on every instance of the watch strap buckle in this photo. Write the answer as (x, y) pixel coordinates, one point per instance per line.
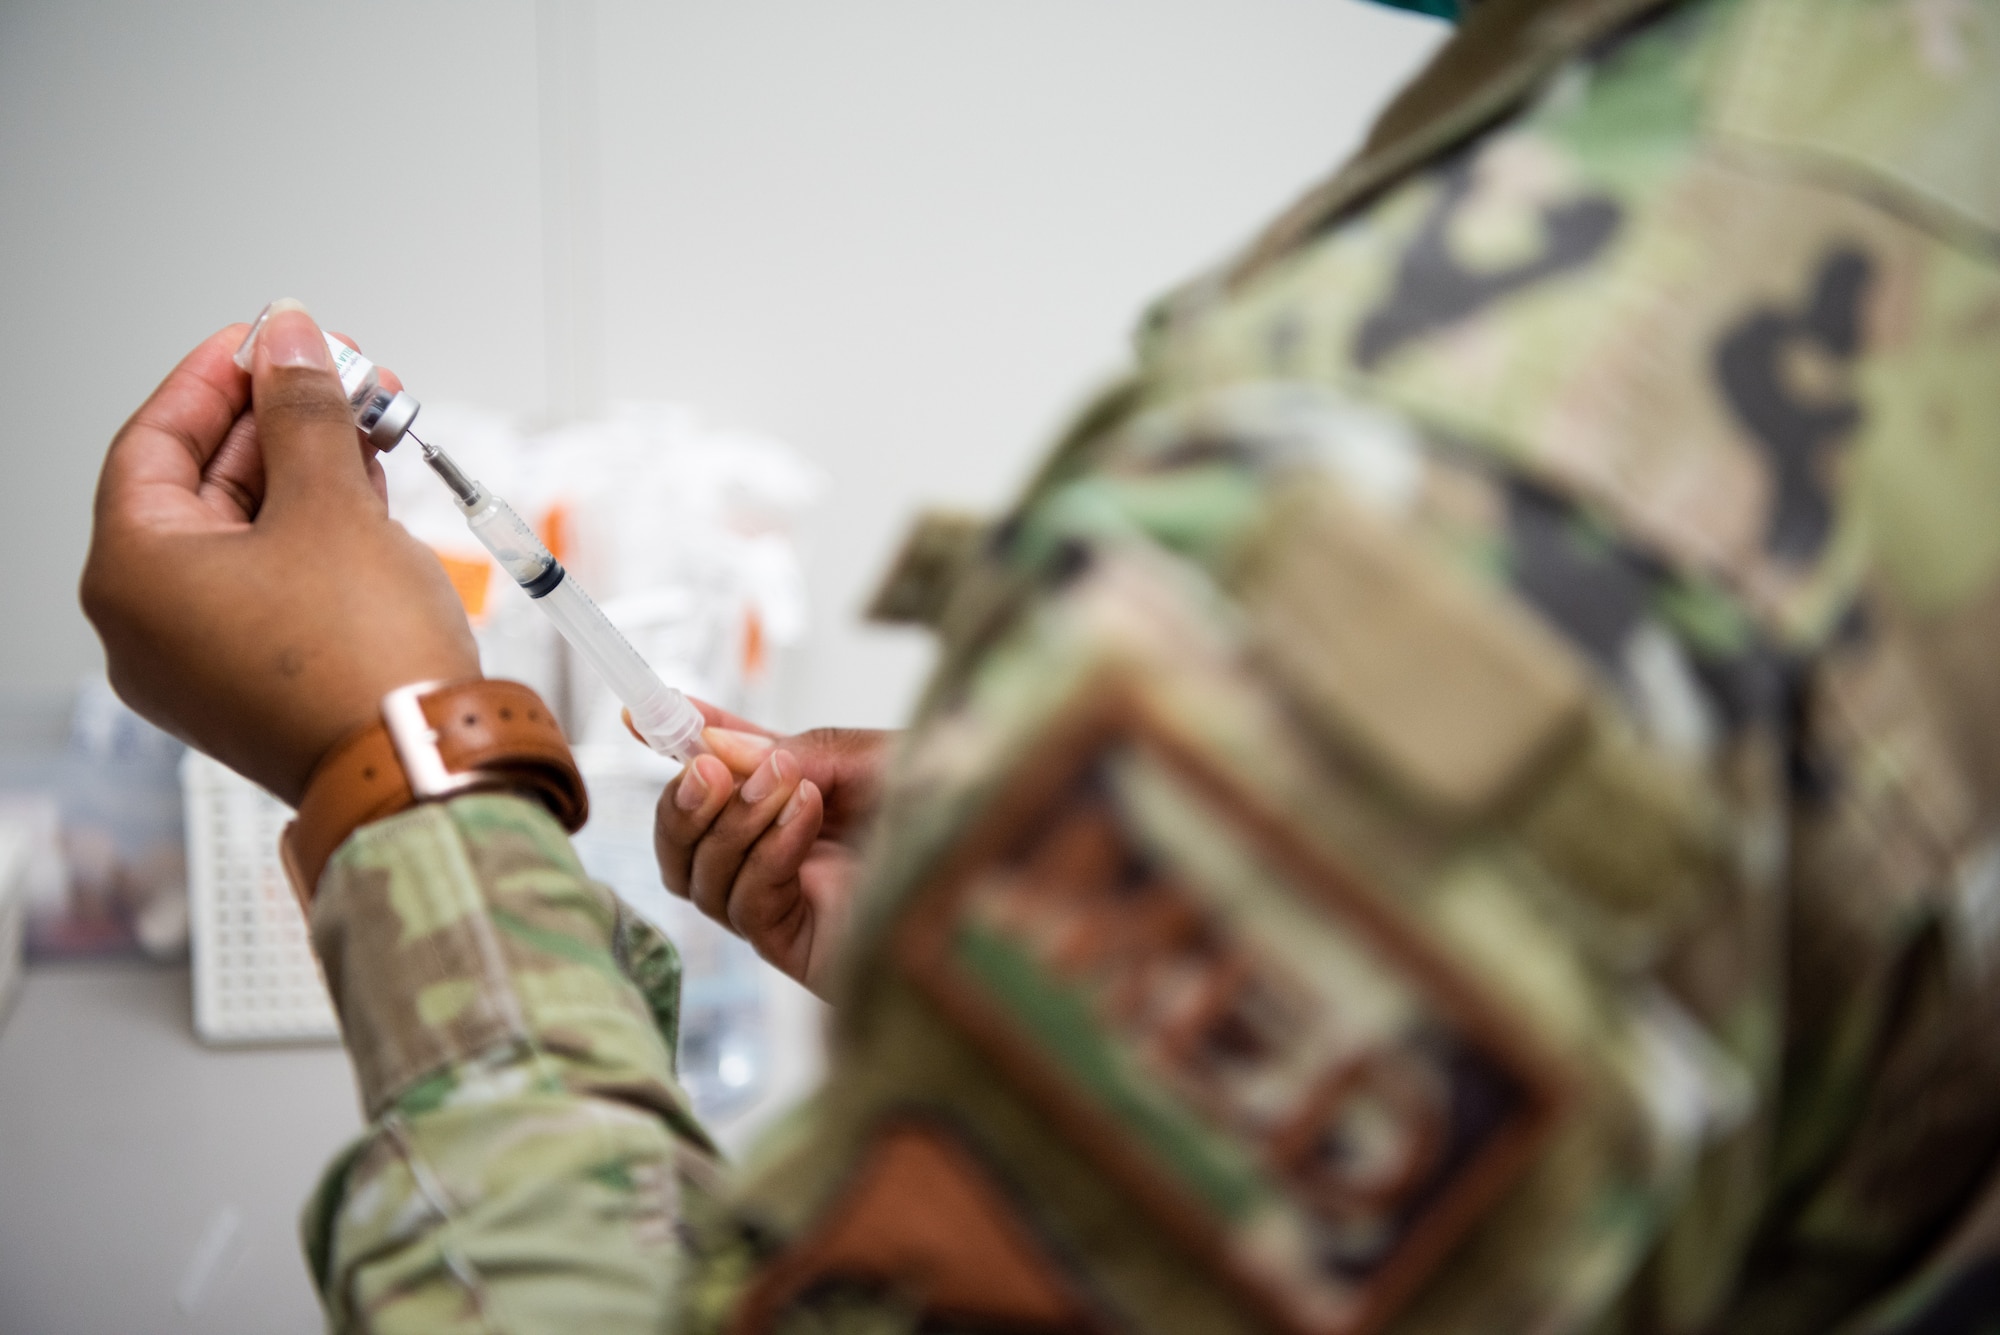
(501, 735)
(415, 740)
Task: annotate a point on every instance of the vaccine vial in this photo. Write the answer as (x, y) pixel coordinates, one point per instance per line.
(382, 416)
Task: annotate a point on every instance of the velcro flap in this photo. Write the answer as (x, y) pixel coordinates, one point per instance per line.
(940, 547)
(1452, 694)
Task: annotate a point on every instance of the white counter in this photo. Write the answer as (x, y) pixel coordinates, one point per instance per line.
(149, 1184)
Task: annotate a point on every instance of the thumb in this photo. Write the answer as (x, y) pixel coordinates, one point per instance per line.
(304, 425)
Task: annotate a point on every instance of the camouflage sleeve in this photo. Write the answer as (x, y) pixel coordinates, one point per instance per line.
(511, 1028)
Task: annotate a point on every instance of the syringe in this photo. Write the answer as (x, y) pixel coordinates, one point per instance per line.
(660, 714)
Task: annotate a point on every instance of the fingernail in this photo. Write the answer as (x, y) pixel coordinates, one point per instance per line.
(796, 801)
(740, 751)
(766, 780)
(693, 790)
(290, 337)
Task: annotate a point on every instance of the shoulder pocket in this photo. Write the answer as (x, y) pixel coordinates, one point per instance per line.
(1451, 696)
(1470, 715)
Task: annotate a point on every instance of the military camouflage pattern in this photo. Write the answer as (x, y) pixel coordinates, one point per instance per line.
(512, 1028)
(1463, 798)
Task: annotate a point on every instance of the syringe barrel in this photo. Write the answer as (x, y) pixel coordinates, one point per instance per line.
(513, 544)
(662, 715)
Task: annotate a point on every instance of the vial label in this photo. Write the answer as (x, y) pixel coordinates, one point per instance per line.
(349, 365)
(356, 372)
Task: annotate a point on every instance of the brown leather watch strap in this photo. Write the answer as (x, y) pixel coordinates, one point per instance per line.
(435, 740)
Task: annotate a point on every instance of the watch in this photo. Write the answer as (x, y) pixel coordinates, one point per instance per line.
(435, 740)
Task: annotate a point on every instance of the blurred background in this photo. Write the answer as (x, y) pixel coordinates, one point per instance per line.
(805, 267)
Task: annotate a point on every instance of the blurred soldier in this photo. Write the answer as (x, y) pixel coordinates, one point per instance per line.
(1462, 798)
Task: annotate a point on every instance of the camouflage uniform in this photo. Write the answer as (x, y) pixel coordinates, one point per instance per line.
(1463, 798)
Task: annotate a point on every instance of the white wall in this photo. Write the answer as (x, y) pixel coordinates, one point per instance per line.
(905, 235)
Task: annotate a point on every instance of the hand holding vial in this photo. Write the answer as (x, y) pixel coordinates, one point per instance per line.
(253, 595)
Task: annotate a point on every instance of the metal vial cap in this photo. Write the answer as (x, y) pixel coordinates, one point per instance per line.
(390, 420)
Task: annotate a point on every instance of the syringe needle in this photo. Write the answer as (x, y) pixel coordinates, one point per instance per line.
(441, 463)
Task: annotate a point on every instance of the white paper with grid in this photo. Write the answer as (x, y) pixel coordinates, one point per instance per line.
(255, 977)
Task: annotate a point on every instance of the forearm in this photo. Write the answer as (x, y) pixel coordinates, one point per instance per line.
(527, 1139)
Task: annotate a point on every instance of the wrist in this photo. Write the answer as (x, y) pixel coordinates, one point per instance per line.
(431, 741)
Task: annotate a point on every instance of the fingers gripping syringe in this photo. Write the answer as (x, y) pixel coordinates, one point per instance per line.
(660, 714)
